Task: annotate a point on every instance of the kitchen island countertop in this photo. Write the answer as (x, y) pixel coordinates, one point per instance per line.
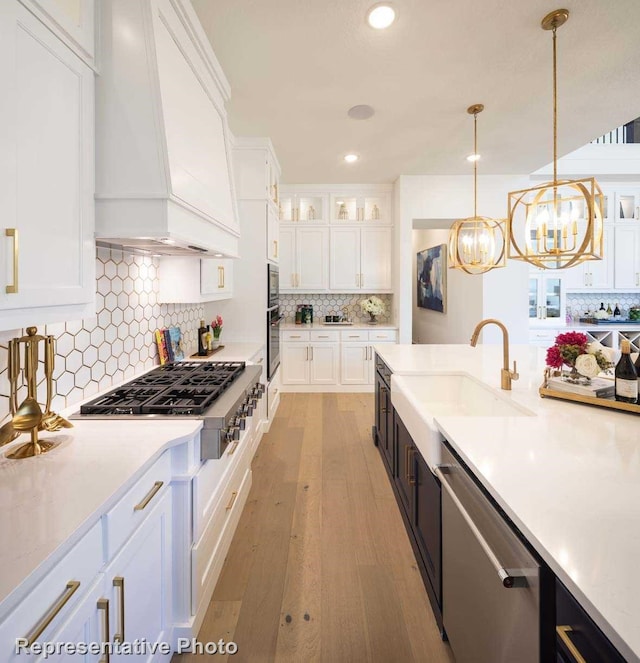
(568, 477)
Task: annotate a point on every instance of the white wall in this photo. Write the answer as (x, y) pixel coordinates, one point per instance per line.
(420, 197)
(463, 307)
(617, 161)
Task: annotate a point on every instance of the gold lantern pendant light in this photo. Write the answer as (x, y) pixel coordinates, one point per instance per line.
(557, 224)
(476, 244)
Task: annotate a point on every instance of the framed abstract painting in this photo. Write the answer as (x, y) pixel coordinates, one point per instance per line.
(432, 278)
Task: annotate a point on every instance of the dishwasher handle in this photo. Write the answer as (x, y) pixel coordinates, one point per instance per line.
(508, 578)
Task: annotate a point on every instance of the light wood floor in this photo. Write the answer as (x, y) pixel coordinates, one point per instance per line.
(320, 567)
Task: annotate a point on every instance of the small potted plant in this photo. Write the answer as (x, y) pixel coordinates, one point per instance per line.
(374, 306)
(216, 328)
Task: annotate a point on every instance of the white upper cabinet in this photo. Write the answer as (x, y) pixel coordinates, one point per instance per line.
(257, 177)
(360, 259)
(194, 281)
(627, 263)
(164, 165)
(304, 258)
(72, 21)
(47, 249)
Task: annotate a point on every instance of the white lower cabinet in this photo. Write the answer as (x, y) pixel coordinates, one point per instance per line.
(354, 363)
(138, 583)
(333, 358)
(310, 358)
(147, 568)
(358, 356)
(323, 363)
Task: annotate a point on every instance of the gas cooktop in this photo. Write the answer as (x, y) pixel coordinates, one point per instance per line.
(181, 389)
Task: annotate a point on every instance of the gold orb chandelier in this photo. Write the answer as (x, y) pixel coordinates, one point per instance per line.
(557, 224)
(476, 244)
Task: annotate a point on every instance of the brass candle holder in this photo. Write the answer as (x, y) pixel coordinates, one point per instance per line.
(28, 417)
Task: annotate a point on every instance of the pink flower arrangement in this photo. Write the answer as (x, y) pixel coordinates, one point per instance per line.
(216, 325)
(569, 346)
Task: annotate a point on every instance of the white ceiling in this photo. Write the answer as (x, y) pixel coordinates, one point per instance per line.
(297, 66)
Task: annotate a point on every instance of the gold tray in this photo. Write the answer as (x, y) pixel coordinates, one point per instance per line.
(610, 403)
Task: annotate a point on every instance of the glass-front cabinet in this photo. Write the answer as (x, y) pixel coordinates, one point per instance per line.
(361, 207)
(547, 300)
(299, 208)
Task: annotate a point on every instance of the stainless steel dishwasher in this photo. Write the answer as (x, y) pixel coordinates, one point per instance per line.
(490, 581)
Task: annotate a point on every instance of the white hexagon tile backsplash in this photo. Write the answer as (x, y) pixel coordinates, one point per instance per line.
(116, 344)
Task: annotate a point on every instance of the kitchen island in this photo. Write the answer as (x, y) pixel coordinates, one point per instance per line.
(567, 475)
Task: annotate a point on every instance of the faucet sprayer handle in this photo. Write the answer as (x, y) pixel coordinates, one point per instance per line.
(514, 374)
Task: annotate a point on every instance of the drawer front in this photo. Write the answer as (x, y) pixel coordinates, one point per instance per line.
(210, 484)
(383, 335)
(331, 335)
(295, 335)
(131, 510)
(576, 631)
(60, 591)
(209, 552)
(354, 335)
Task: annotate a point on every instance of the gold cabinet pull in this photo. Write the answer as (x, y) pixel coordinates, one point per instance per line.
(410, 477)
(13, 288)
(103, 604)
(229, 506)
(149, 496)
(118, 583)
(232, 448)
(51, 614)
(220, 276)
(563, 632)
(275, 248)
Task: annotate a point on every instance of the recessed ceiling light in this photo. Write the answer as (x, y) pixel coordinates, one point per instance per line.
(167, 240)
(156, 255)
(473, 157)
(218, 255)
(351, 158)
(381, 16)
(361, 112)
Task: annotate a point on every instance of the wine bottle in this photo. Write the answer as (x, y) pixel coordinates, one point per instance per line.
(202, 339)
(602, 308)
(616, 312)
(609, 311)
(626, 376)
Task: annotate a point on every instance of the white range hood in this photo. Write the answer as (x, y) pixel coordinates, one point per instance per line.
(164, 181)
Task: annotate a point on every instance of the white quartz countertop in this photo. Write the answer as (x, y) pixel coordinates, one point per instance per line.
(50, 501)
(232, 351)
(568, 477)
(626, 325)
(287, 326)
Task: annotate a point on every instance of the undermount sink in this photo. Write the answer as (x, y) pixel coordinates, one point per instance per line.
(420, 398)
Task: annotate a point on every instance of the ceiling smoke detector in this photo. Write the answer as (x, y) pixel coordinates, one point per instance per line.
(381, 16)
(361, 112)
